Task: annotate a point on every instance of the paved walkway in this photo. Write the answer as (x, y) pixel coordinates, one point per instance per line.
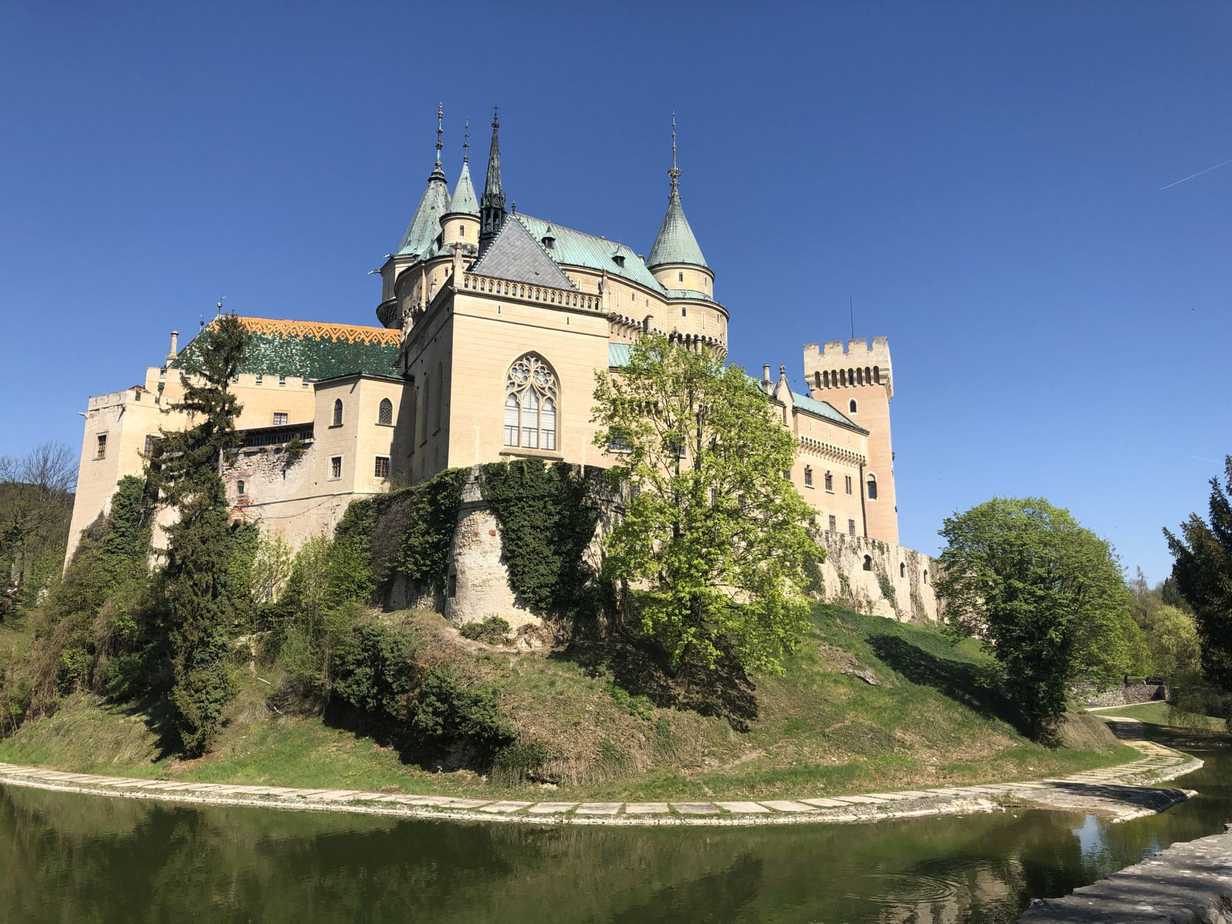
(1119, 792)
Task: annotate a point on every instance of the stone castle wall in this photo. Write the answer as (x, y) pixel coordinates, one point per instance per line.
(879, 578)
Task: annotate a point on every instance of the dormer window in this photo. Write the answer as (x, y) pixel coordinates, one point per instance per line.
(618, 259)
(548, 242)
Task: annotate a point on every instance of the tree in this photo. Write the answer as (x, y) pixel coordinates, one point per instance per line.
(198, 570)
(1045, 595)
(714, 539)
(1202, 570)
(36, 504)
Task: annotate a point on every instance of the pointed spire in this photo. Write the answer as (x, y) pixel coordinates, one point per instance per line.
(466, 142)
(425, 224)
(463, 201)
(492, 206)
(675, 242)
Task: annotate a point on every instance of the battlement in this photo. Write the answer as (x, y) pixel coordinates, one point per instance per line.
(852, 350)
(855, 363)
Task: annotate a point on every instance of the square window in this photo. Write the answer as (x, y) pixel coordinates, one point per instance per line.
(280, 418)
(382, 467)
(335, 468)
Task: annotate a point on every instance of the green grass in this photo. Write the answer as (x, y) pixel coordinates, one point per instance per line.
(1165, 715)
(932, 719)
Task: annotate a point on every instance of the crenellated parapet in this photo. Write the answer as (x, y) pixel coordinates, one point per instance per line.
(830, 451)
(855, 363)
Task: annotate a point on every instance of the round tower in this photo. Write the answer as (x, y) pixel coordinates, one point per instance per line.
(676, 260)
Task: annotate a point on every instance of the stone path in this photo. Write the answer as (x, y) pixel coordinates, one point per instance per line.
(1118, 792)
(1186, 882)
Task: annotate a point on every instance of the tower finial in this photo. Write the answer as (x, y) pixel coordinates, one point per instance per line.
(674, 173)
(440, 131)
(466, 142)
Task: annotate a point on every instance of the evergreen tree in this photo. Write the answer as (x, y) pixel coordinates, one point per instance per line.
(1202, 571)
(199, 554)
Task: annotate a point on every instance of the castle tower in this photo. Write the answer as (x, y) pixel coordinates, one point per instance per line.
(492, 206)
(676, 260)
(858, 380)
(461, 224)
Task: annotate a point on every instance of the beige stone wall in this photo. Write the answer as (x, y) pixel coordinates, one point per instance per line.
(427, 362)
(685, 276)
(898, 582)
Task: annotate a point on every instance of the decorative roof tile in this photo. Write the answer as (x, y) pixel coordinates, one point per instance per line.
(310, 349)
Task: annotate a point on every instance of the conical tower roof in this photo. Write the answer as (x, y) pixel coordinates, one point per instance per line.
(676, 242)
(464, 201)
(426, 223)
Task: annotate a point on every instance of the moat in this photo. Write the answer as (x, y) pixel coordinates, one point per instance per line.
(95, 859)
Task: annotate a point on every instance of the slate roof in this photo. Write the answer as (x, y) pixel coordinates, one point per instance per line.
(309, 349)
(421, 234)
(577, 248)
(464, 200)
(675, 243)
(514, 254)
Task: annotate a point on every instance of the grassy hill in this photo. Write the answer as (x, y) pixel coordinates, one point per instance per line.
(865, 704)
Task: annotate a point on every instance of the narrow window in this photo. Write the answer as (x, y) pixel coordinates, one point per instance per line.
(833, 523)
(847, 480)
(337, 412)
(385, 414)
(102, 446)
(830, 482)
(680, 277)
(335, 468)
(808, 476)
(877, 375)
(851, 527)
(925, 577)
(872, 486)
(382, 467)
(239, 488)
(511, 420)
(453, 583)
(280, 418)
(684, 312)
(868, 562)
(851, 405)
(902, 569)
(282, 380)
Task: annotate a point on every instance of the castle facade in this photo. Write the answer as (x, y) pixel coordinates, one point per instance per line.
(493, 324)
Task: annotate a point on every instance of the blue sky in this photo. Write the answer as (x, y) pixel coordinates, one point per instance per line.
(983, 180)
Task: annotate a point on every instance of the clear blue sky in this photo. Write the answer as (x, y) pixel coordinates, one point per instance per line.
(984, 180)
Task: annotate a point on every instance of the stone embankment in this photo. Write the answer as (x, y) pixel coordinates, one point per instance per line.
(1117, 792)
(1189, 882)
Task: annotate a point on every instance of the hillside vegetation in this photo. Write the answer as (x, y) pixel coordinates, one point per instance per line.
(588, 725)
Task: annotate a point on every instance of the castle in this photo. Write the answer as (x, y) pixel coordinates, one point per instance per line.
(493, 325)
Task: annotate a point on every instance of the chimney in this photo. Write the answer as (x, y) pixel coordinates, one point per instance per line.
(765, 378)
(174, 349)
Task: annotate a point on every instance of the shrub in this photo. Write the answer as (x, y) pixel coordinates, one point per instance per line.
(451, 710)
(493, 631)
(520, 762)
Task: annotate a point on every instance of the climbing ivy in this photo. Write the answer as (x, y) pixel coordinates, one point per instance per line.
(547, 516)
(407, 533)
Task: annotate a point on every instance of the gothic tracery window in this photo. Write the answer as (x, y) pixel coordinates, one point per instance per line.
(531, 393)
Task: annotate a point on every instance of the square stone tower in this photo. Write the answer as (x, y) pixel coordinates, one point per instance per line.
(858, 380)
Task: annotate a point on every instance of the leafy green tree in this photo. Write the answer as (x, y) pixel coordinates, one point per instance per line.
(197, 576)
(1202, 570)
(1045, 595)
(1172, 638)
(714, 537)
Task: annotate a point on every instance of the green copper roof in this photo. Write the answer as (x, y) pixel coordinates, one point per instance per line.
(464, 201)
(618, 355)
(577, 248)
(675, 243)
(824, 409)
(425, 226)
(309, 349)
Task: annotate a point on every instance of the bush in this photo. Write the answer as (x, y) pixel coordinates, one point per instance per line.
(451, 711)
(493, 631)
(520, 762)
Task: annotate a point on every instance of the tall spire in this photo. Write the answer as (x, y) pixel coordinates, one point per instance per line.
(425, 224)
(440, 131)
(492, 205)
(466, 142)
(675, 243)
(463, 201)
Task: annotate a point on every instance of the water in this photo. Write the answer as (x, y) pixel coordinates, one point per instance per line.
(69, 858)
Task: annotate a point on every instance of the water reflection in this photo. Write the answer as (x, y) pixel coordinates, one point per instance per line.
(93, 859)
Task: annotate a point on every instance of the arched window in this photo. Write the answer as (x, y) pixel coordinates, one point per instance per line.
(902, 569)
(872, 486)
(859, 376)
(337, 412)
(808, 476)
(385, 414)
(531, 393)
(851, 405)
(868, 563)
(877, 375)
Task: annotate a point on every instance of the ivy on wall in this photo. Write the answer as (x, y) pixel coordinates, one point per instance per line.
(407, 533)
(547, 516)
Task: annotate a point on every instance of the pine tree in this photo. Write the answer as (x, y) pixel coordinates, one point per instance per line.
(199, 544)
